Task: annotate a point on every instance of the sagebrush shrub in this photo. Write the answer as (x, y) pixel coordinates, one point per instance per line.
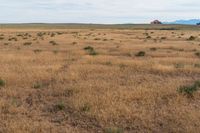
(27, 43)
(60, 106)
(189, 89)
(90, 50)
(191, 38)
(2, 83)
(53, 43)
(141, 53)
(197, 54)
(153, 49)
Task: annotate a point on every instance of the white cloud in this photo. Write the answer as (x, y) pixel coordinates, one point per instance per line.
(97, 11)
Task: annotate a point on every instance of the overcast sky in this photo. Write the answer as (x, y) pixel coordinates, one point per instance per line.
(97, 11)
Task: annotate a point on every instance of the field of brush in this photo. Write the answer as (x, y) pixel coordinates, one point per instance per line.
(99, 78)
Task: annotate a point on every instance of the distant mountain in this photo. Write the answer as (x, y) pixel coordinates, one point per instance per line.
(189, 22)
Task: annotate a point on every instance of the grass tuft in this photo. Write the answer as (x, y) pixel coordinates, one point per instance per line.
(113, 130)
(60, 106)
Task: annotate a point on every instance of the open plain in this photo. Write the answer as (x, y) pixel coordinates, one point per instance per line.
(99, 79)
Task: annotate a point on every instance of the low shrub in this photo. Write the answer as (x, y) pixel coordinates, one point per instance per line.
(97, 39)
(2, 83)
(74, 43)
(90, 50)
(93, 52)
(12, 39)
(141, 53)
(60, 106)
(148, 37)
(37, 51)
(27, 43)
(197, 65)
(53, 34)
(189, 90)
(191, 38)
(163, 38)
(197, 54)
(55, 51)
(53, 43)
(153, 49)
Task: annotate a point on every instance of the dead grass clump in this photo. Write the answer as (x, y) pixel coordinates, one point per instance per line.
(97, 39)
(128, 54)
(69, 92)
(25, 38)
(55, 51)
(60, 33)
(74, 43)
(85, 108)
(179, 65)
(153, 49)
(108, 63)
(37, 51)
(122, 66)
(37, 86)
(27, 43)
(12, 39)
(53, 43)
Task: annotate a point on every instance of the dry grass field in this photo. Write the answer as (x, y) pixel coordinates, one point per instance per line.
(99, 80)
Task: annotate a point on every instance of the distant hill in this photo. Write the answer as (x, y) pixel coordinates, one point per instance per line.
(189, 22)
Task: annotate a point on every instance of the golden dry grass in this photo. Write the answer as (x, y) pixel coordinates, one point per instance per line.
(60, 87)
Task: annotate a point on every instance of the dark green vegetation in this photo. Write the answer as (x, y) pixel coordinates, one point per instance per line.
(2, 83)
(141, 53)
(189, 90)
(102, 26)
(90, 50)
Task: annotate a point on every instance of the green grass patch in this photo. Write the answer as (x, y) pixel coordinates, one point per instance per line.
(189, 90)
(2, 83)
